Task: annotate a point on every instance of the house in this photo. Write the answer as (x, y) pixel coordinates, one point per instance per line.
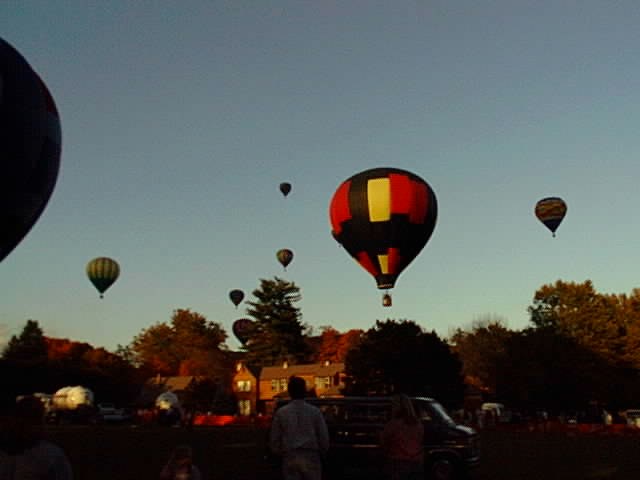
(256, 390)
(244, 385)
(324, 379)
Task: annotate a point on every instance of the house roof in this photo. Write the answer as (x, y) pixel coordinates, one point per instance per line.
(313, 369)
(172, 383)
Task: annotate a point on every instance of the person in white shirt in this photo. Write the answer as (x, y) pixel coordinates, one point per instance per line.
(299, 434)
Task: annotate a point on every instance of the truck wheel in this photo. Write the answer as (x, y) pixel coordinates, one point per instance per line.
(442, 469)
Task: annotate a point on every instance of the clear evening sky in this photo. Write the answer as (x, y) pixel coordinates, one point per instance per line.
(180, 120)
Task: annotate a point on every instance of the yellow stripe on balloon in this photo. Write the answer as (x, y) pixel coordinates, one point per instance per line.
(379, 198)
(383, 260)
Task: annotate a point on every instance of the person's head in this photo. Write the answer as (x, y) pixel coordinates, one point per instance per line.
(21, 428)
(297, 387)
(182, 455)
(401, 407)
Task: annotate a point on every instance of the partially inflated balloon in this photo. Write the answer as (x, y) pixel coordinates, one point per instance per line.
(242, 329)
(102, 272)
(285, 188)
(284, 257)
(383, 217)
(236, 296)
(30, 143)
(551, 211)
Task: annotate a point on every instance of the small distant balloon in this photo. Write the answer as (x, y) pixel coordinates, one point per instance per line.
(284, 257)
(102, 272)
(242, 329)
(236, 297)
(285, 188)
(550, 211)
(30, 145)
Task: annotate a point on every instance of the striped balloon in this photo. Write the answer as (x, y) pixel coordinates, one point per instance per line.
(551, 211)
(284, 256)
(102, 272)
(383, 217)
(30, 145)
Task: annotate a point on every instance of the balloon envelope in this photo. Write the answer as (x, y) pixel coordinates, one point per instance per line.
(550, 211)
(236, 296)
(284, 256)
(102, 272)
(285, 188)
(30, 144)
(242, 329)
(383, 217)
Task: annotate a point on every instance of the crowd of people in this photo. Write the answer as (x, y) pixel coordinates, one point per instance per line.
(298, 435)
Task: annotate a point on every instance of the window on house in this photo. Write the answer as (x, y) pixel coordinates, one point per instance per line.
(243, 385)
(322, 383)
(244, 407)
(274, 385)
(283, 384)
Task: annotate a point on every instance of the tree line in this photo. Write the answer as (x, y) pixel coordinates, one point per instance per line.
(580, 346)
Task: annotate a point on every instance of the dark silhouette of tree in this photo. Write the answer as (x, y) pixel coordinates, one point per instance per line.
(29, 346)
(399, 356)
(545, 369)
(278, 330)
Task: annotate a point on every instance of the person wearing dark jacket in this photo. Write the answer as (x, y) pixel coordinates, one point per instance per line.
(24, 452)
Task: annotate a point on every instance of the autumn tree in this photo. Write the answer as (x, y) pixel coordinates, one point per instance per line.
(278, 332)
(608, 325)
(399, 356)
(333, 346)
(481, 350)
(189, 345)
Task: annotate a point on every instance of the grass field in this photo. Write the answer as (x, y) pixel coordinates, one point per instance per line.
(235, 453)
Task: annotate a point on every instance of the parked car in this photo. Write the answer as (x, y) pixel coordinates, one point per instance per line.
(355, 424)
(108, 413)
(633, 417)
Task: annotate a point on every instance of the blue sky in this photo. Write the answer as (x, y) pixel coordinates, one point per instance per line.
(180, 120)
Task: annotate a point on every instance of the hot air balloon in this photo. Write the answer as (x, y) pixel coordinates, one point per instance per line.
(30, 143)
(102, 272)
(236, 297)
(551, 211)
(242, 329)
(383, 217)
(284, 257)
(285, 188)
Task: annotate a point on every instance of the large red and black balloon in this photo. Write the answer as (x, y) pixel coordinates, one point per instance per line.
(383, 217)
(30, 145)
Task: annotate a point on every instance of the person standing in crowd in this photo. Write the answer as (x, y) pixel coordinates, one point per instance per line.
(402, 441)
(299, 434)
(24, 453)
(180, 465)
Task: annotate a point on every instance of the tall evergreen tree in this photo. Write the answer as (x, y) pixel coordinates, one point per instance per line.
(278, 332)
(29, 346)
